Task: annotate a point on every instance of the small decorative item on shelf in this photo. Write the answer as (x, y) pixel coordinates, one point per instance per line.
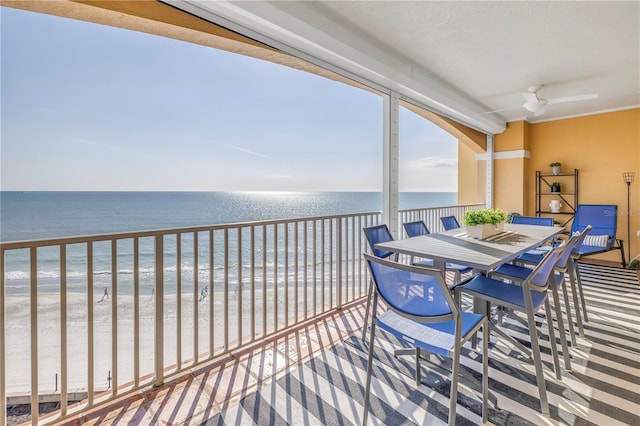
(555, 187)
(555, 206)
(484, 223)
(555, 168)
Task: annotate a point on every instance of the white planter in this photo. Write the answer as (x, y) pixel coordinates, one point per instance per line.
(484, 231)
(555, 206)
(555, 170)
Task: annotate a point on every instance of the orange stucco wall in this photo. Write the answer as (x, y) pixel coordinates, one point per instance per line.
(510, 175)
(471, 176)
(600, 146)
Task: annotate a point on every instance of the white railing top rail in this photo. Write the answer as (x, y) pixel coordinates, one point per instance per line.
(419, 209)
(11, 245)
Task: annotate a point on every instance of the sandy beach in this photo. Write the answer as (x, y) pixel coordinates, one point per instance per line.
(18, 352)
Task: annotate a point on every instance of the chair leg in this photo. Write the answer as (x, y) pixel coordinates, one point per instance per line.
(418, 372)
(367, 388)
(567, 305)
(537, 361)
(561, 329)
(522, 348)
(366, 312)
(574, 293)
(480, 306)
(552, 340)
(485, 372)
(453, 398)
(579, 283)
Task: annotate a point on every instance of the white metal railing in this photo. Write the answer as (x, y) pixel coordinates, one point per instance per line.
(172, 299)
(431, 216)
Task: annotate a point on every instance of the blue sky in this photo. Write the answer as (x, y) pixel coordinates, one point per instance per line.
(90, 107)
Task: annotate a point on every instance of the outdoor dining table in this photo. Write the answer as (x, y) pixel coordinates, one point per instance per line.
(455, 246)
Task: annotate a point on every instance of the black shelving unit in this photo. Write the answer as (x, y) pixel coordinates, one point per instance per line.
(568, 194)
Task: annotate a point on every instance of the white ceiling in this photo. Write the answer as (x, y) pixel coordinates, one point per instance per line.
(462, 59)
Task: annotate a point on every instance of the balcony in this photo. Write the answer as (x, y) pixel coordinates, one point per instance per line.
(291, 356)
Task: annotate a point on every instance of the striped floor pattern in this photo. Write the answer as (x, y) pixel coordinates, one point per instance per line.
(603, 387)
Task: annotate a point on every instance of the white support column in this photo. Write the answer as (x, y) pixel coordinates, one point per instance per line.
(390, 159)
(490, 157)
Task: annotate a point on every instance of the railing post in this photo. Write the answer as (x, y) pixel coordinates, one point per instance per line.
(3, 392)
(63, 330)
(33, 302)
(159, 311)
(339, 260)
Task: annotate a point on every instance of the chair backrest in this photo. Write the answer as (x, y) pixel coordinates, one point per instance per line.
(603, 218)
(412, 291)
(539, 277)
(449, 222)
(378, 234)
(415, 229)
(572, 246)
(532, 220)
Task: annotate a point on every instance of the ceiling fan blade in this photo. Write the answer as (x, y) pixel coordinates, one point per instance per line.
(530, 97)
(573, 98)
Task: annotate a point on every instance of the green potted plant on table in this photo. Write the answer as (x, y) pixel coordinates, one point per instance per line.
(555, 168)
(555, 187)
(484, 223)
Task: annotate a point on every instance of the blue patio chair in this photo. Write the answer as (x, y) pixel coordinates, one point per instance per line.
(529, 298)
(378, 234)
(415, 229)
(375, 235)
(532, 220)
(422, 312)
(517, 274)
(571, 268)
(603, 218)
(449, 222)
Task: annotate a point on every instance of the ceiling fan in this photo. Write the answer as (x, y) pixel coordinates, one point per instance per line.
(535, 104)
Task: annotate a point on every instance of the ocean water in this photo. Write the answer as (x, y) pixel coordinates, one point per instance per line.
(41, 215)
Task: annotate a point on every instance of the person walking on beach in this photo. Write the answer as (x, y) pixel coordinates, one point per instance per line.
(204, 293)
(105, 296)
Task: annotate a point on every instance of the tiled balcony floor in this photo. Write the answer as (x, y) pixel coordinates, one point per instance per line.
(201, 393)
(604, 386)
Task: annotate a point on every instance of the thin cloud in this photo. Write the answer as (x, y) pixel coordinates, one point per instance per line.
(434, 163)
(238, 148)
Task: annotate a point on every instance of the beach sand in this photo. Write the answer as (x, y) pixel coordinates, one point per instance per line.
(17, 329)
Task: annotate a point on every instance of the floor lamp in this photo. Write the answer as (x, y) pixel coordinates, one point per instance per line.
(628, 178)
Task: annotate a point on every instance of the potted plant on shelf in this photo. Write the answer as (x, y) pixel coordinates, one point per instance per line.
(555, 187)
(555, 168)
(484, 223)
